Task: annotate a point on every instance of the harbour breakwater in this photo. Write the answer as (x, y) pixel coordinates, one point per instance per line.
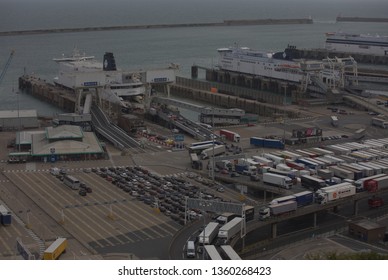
(153, 26)
(361, 19)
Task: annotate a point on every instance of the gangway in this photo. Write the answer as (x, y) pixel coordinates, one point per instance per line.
(110, 131)
(87, 104)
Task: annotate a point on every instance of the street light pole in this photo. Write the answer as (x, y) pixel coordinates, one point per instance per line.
(213, 163)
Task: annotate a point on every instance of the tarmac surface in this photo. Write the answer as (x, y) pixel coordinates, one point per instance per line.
(37, 226)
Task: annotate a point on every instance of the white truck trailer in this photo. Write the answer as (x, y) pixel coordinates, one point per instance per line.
(331, 193)
(230, 229)
(213, 151)
(209, 233)
(277, 209)
(277, 180)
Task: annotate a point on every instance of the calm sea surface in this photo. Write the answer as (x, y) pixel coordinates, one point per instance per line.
(153, 48)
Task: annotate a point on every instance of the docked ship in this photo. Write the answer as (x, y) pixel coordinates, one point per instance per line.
(117, 86)
(287, 66)
(261, 63)
(356, 43)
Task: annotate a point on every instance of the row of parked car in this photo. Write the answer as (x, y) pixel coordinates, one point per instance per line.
(166, 193)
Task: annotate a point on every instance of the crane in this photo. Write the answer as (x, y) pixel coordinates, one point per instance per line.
(2, 74)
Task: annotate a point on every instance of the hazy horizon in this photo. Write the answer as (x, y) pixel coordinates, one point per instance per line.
(36, 14)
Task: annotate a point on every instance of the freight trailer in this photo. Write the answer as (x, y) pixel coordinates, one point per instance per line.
(312, 183)
(360, 183)
(304, 198)
(230, 135)
(380, 122)
(209, 233)
(213, 151)
(263, 161)
(5, 216)
(331, 193)
(55, 250)
(277, 180)
(341, 172)
(376, 184)
(278, 209)
(230, 229)
(325, 173)
(266, 143)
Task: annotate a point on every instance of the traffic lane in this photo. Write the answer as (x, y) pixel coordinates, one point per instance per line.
(176, 249)
(357, 245)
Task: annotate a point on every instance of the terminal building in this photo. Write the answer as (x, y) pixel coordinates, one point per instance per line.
(64, 142)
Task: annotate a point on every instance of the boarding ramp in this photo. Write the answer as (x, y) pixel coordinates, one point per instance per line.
(87, 104)
(118, 137)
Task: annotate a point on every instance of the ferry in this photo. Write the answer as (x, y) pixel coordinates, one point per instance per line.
(284, 66)
(116, 86)
(261, 63)
(357, 43)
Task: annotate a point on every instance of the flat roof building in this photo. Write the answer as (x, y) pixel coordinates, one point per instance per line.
(367, 230)
(18, 119)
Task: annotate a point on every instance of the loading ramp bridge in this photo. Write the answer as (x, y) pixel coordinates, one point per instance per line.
(118, 137)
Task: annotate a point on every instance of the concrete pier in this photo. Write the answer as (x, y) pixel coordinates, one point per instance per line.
(153, 26)
(47, 92)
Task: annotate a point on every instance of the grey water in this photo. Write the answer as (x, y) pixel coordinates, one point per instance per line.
(155, 48)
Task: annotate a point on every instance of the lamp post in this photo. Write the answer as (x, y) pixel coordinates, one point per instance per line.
(213, 163)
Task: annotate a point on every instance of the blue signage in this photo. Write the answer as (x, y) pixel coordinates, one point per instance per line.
(90, 84)
(179, 137)
(53, 158)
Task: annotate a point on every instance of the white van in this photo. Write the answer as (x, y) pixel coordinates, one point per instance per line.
(54, 171)
(190, 249)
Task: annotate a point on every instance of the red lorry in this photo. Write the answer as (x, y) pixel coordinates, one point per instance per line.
(376, 184)
(230, 135)
(375, 202)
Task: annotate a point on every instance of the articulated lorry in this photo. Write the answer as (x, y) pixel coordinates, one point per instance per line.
(313, 183)
(213, 151)
(360, 184)
(5, 216)
(380, 122)
(266, 143)
(230, 135)
(230, 229)
(376, 184)
(277, 180)
(331, 193)
(278, 209)
(209, 233)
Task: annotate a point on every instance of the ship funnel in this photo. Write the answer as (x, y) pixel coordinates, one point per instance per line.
(109, 62)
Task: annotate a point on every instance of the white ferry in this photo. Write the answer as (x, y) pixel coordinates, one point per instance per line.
(266, 64)
(121, 87)
(353, 43)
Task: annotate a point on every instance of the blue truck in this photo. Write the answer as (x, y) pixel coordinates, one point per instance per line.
(266, 143)
(304, 198)
(5, 216)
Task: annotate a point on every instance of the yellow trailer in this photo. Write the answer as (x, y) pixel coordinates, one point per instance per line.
(55, 249)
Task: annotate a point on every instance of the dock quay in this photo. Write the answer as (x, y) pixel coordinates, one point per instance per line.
(320, 54)
(47, 92)
(268, 21)
(238, 98)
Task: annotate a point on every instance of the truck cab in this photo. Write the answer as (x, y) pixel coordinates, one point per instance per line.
(264, 213)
